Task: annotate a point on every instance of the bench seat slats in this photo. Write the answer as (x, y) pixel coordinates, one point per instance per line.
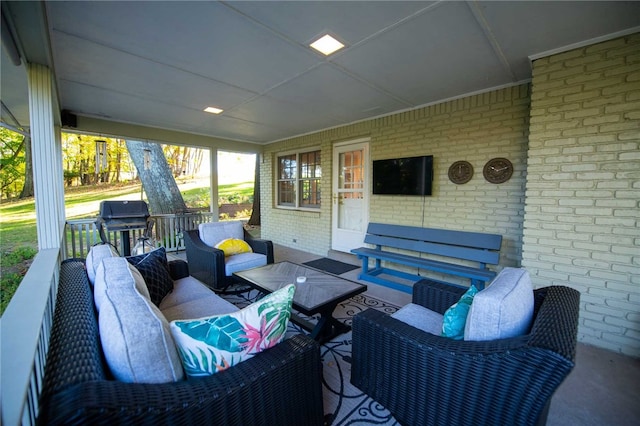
(465, 253)
(446, 236)
(455, 245)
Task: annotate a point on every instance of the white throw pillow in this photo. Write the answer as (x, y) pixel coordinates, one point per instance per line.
(135, 336)
(95, 256)
(503, 309)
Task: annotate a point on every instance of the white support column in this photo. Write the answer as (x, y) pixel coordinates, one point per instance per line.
(213, 190)
(46, 148)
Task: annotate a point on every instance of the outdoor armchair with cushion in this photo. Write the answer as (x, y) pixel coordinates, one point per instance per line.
(210, 265)
(427, 379)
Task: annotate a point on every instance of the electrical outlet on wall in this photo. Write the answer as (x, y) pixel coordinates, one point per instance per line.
(295, 240)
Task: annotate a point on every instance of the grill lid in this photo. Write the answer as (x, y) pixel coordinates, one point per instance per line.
(124, 215)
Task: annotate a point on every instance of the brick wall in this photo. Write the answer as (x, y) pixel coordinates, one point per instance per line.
(583, 186)
(475, 129)
(575, 145)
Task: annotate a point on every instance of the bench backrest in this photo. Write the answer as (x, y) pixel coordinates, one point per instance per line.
(475, 246)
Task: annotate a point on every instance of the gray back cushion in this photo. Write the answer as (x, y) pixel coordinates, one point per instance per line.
(503, 309)
(135, 336)
(212, 233)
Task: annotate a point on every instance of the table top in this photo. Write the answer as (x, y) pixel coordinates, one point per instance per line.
(320, 289)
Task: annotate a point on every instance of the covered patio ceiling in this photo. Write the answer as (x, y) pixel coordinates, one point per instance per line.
(159, 64)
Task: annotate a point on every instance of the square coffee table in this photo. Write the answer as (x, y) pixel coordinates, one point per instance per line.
(319, 294)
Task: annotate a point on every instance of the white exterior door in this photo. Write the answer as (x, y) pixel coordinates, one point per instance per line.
(350, 194)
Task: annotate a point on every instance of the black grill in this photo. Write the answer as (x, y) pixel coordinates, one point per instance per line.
(123, 216)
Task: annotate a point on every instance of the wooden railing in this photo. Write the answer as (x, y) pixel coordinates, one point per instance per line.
(168, 228)
(82, 234)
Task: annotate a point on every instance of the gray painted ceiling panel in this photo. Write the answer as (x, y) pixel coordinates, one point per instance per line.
(112, 70)
(352, 21)
(337, 94)
(527, 27)
(13, 80)
(289, 116)
(135, 110)
(205, 38)
(423, 60)
(158, 64)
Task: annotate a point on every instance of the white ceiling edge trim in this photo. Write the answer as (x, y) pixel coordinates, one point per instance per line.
(401, 111)
(584, 43)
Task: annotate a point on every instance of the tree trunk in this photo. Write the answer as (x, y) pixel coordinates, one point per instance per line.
(157, 179)
(255, 213)
(27, 189)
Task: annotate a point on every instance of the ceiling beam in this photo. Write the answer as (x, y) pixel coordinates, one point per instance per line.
(90, 125)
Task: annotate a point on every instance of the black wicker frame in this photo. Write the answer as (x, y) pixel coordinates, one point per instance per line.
(424, 379)
(207, 263)
(280, 386)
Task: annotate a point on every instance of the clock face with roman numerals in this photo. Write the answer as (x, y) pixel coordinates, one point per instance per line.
(498, 170)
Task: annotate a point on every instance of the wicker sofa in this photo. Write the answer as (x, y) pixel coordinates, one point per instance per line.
(281, 385)
(426, 379)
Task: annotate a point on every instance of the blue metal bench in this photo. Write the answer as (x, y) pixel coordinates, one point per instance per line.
(477, 250)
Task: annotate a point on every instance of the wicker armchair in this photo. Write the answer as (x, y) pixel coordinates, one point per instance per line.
(424, 379)
(207, 264)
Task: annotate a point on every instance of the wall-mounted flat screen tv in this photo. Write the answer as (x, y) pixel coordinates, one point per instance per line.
(403, 176)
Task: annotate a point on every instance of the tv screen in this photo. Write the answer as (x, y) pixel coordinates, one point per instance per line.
(403, 176)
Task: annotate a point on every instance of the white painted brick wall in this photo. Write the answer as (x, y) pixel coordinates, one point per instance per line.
(580, 164)
(583, 186)
(475, 129)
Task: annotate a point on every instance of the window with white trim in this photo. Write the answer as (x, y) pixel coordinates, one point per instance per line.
(298, 180)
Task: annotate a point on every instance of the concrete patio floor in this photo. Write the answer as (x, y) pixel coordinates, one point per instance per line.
(602, 390)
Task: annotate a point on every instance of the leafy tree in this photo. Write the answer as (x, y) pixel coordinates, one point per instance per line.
(183, 160)
(80, 160)
(12, 162)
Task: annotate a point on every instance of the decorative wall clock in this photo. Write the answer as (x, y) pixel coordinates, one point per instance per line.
(498, 170)
(460, 172)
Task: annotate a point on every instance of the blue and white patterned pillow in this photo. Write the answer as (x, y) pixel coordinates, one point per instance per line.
(212, 344)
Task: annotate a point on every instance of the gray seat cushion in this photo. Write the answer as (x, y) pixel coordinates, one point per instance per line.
(243, 261)
(191, 299)
(420, 317)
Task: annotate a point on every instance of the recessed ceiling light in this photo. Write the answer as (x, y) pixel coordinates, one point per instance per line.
(213, 110)
(327, 45)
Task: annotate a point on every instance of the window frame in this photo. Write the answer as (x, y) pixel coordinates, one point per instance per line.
(299, 180)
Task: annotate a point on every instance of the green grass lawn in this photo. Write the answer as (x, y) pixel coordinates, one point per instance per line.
(18, 235)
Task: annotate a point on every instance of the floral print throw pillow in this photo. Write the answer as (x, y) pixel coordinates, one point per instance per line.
(212, 344)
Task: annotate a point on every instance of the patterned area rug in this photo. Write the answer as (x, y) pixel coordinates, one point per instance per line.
(344, 404)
